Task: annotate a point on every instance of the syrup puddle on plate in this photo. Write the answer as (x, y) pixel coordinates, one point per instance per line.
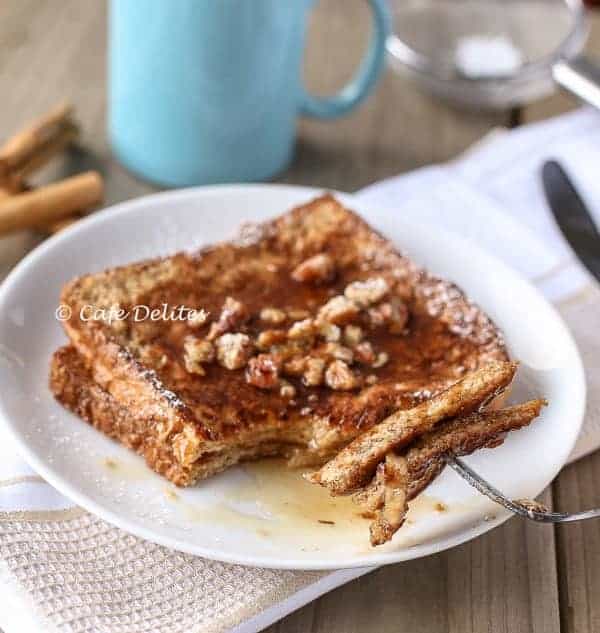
(276, 503)
(127, 470)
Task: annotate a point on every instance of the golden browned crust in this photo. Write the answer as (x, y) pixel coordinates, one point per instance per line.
(73, 386)
(216, 416)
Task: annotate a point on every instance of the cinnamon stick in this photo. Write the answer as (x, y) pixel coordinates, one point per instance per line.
(46, 151)
(59, 225)
(50, 203)
(11, 188)
(38, 142)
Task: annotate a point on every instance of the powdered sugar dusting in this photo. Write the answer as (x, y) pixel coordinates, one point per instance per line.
(150, 376)
(445, 301)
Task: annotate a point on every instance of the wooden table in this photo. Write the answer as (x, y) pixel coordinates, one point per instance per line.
(517, 578)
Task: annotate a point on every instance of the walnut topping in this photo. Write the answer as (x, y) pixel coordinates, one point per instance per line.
(274, 316)
(339, 376)
(317, 269)
(297, 314)
(338, 310)
(287, 390)
(268, 338)
(339, 352)
(381, 360)
(302, 329)
(399, 317)
(197, 318)
(295, 366)
(263, 372)
(353, 335)
(330, 332)
(364, 353)
(366, 293)
(371, 379)
(197, 352)
(234, 350)
(234, 313)
(393, 314)
(313, 373)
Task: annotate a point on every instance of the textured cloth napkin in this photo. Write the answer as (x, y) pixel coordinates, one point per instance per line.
(62, 569)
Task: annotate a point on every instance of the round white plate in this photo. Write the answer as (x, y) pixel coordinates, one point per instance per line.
(257, 515)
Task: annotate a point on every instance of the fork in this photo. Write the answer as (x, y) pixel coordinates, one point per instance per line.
(523, 507)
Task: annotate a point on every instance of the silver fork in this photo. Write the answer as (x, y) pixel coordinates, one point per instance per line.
(523, 507)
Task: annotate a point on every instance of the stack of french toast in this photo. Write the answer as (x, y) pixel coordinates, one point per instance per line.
(307, 337)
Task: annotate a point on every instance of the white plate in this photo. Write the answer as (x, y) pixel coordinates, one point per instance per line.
(248, 515)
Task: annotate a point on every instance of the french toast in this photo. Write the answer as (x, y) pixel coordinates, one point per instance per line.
(402, 475)
(308, 330)
(354, 465)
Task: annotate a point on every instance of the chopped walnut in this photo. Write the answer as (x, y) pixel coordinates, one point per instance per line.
(313, 373)
(197, 318)
(330, 332)
(196, 353)
(268, 338)
(234, 313)
(339, 352)
(393, 314)
(317, 269)
(368, 292)
(287, 390)
(338, 310)
(353, 335)
(399, 317)
(371, 379)
(199, 350)
(274, 316)
(339, 376)
(376, 317)
(234, 350)
(295, 366)
(285, 351)
(263, 372)
(364, 353)
(302, 329)
(381, 360)
(298, 314)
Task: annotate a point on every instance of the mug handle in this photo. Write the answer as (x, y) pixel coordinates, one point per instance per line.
(363, 82)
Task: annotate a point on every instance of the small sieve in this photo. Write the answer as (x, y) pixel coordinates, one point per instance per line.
(494, 53)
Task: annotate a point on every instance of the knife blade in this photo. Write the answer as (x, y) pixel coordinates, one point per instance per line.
(572, 216)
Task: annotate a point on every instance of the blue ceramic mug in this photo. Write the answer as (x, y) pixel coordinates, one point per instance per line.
(206, 91)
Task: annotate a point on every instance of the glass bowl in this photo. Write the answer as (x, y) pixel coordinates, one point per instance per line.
(485, 53)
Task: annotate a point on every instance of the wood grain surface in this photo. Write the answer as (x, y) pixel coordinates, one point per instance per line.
(518, 578)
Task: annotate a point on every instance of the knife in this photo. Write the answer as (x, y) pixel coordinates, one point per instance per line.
(572, 216)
